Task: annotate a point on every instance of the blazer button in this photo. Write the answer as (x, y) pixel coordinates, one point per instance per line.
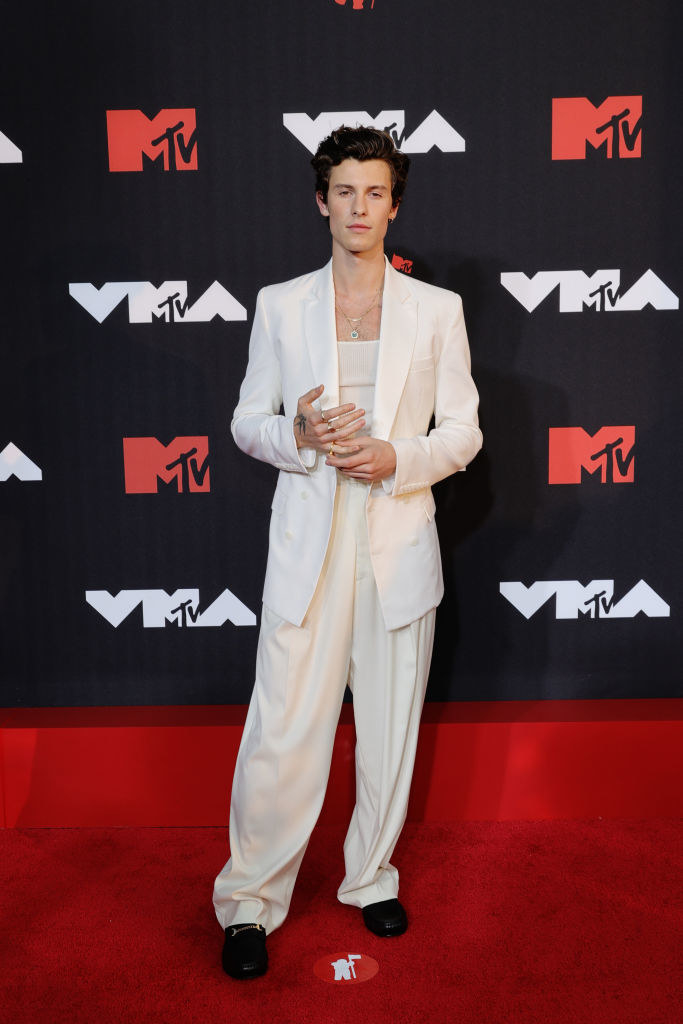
(289, 535)
(304, 495)
(413, 542)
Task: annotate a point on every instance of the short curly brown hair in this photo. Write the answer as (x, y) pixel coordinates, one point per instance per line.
(360, 144)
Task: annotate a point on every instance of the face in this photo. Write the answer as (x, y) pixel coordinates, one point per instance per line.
(359, 204)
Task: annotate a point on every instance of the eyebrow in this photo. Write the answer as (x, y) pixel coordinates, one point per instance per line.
(370, 188)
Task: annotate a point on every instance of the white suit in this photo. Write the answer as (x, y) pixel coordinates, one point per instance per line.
(424, 369)
(352, 581)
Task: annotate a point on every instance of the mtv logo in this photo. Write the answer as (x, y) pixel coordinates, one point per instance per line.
(184, 461)
(614, 126)
(181, 608)
(608, 453)
(167, 303)
(434, 130)
(405, 266)
(169, 139)
(344, 968)
(594, 601)
(9, 153)
(600, 291)
(13, 462)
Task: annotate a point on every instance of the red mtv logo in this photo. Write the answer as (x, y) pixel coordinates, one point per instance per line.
(357, 4)
(406, 266)
(615, 126)
(346, 968)
(185, 461)
(608, 452)
(171, 136)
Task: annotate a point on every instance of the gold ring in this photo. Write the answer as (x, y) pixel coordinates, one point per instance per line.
(322, 416)
(331, 451)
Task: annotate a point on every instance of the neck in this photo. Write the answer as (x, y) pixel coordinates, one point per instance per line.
(357, 273)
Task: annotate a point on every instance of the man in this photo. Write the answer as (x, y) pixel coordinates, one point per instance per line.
(359, 357)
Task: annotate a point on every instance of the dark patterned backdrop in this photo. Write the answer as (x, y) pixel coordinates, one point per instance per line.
(132, 574)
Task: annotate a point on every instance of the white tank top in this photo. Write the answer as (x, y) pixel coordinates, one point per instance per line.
(357, 376)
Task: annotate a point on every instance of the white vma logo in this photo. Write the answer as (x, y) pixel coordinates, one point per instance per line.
(594, 601)
(9, 153)
(434, 130)
(600, 291)
(167, 303)
(181, 608)
(13, 462)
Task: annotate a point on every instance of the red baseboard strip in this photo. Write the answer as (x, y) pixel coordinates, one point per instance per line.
(497, 761)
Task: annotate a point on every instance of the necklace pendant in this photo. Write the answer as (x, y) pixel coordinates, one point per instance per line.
(354, 334)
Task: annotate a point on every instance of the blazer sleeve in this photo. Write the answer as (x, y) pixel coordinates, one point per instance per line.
(455, 438)
(258, 427)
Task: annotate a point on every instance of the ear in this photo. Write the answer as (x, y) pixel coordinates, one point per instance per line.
(322, 206)
(394, 212)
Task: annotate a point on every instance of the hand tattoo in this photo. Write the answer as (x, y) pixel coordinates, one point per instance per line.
(300, 422)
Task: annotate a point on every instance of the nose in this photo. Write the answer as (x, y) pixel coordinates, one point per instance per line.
(359, 206)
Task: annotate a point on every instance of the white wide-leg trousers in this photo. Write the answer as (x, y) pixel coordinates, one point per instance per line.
(284, 758)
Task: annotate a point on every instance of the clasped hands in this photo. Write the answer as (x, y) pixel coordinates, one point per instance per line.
(333, 432)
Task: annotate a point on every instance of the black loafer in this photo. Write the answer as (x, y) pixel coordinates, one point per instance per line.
(385, 918)
(244, 951)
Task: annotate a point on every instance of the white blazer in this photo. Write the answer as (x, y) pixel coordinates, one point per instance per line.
(423, 370)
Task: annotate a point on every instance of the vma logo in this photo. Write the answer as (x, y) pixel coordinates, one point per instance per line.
(13, 462)
(9, 153)
(434, 130)
(181, 608)
(183, 463)
(405, 266)
(358, 5)
(600, 291)
(168, 303)
(168, 140)
(594, 601)
(614, 128)
(573, 455)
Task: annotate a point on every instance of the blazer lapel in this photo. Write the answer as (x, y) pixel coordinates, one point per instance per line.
(398, 332)
(321, 336)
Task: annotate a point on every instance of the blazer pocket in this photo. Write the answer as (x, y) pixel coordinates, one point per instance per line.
(430, 507)
(422, 364)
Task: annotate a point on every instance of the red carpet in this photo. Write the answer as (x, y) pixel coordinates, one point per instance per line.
(526, 923)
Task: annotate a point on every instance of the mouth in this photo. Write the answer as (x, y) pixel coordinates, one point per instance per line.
(359, 227)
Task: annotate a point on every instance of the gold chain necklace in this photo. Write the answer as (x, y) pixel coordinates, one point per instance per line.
(351, 320)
